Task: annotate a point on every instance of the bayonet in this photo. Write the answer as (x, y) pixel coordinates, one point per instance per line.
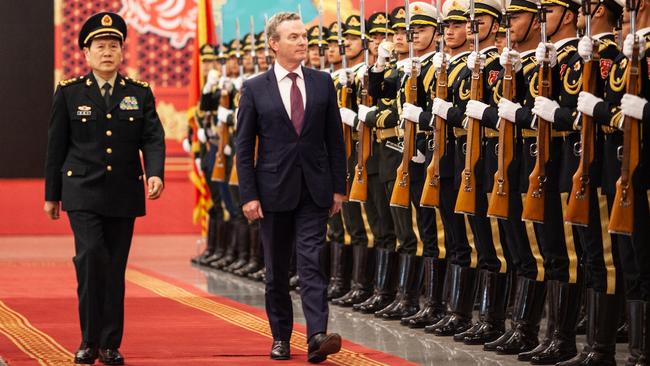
(240, 62)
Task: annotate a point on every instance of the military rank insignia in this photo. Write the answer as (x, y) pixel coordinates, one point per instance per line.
(84, 110)
(129, 104)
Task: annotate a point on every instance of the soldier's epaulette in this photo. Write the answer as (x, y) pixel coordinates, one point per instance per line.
(143, 84)
(604, 43)
(491, 55)
(72, 81)
(564, 52)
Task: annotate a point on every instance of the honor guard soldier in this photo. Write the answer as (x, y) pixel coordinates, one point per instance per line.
(100, 123)
(313, 45)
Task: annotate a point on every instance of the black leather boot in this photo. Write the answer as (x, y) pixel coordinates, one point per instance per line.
(529, 306)
(230, 244)
(601, 331)
(461, 302)
(552, 288)
(384, 294)
(407, 301)
(644, 349)
(492, 310)
(339, 283)
(242, 233)
(209, 244)
(259, 275)
(622, 332)
(255, 258)
(635, 331)
(434, 306)
(581, 327)
(361, 286)
(217, 241)
(563, 342)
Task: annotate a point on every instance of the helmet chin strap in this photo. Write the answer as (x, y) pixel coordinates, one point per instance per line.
(559, 22)
(530, 25)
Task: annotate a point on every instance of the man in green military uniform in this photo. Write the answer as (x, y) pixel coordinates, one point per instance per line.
(100, 123)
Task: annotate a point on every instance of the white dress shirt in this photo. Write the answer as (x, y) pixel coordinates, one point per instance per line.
(101, 82)
(284, 84)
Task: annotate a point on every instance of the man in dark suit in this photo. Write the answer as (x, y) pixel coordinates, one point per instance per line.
(100, 123)
(298, 179)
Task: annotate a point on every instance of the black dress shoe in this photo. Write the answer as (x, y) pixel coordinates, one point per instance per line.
(85, 355)
(111, 356)
(280, 350)
(321, 345)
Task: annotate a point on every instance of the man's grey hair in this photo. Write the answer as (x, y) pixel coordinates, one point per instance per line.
(276, 20)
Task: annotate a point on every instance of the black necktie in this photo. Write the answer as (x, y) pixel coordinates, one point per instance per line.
(107, 93)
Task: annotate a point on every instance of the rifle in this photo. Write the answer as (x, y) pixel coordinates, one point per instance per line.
(267, 55)
(431, 189)
(253, 54)
(534, 202)
(219, 167)
(621, 219)
(400, 196)
(577, 212)
(359, 190)
(345, 102)
(321, 47)
(466, 201)
(500, 197)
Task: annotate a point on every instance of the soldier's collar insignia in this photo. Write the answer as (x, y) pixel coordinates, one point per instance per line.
(122, 82)
(107, 21)
(129, 104)
(89, 82)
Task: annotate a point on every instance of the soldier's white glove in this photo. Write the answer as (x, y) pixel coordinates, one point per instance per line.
(202, 136)
(471, 60)
(508, 109)
(629, 43)
(436, 61)
(408, 65)
(223, 114)
(224, 83)
(545, 108)
(211, 81)
(237, 83)
(227, 150)
(441, 107)
(475, 109)
(347, 116)
(383, 53)
(197, 163)
(418, 158)
(343, 77)
(546, 50)
(513, 56)
(585, 48)
(363, 111)
(587, 102)
(187, 146)
(633, 106)
(411, 112)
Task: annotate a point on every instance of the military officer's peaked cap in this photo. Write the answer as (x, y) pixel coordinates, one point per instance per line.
(398, 18)
(353, 26)
(455, 10)
(333, 31)
(103, 24)
(522, 6)
(423, 14)
(570, 4)
(378, 23)
(490, 7)
(312, 36)
(208, 52)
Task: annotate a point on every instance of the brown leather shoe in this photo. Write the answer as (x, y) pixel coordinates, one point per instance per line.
(85, 355)
(110, 356)
(321, 345)
(280, 350)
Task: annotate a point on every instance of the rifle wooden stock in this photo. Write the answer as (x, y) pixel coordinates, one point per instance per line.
(359, 190)
(400, 197)
(431, 189)
(577, 212)
(500, 196)
(347, 139)
(621, 219)
(219, 167)
(466, 201)
(234, 178)
(534, 202)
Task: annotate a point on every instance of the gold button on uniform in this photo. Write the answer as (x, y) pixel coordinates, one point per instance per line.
(109, 133)
(83, 120)
(109, 151)
(131, 119)
(109, 168)
(69, 173)
(139, 177)
(109, 116)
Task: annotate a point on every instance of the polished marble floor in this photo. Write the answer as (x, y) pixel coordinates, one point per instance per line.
(389, 337)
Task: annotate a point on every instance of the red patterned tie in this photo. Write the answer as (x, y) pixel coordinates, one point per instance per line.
(297, 108)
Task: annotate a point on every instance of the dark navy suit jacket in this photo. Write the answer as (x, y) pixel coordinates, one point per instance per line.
(285, 157)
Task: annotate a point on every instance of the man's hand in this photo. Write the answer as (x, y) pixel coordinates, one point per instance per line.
(52, 209)
(253, 210)
(155, 186)
(336, 204)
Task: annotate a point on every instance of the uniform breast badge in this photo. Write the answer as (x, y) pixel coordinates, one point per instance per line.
(84, 110)
(129, 104)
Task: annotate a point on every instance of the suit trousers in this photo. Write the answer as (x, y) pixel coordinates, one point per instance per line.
(101, 252)
(306, 225)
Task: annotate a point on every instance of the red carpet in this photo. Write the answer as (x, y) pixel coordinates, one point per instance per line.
(167, 323)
